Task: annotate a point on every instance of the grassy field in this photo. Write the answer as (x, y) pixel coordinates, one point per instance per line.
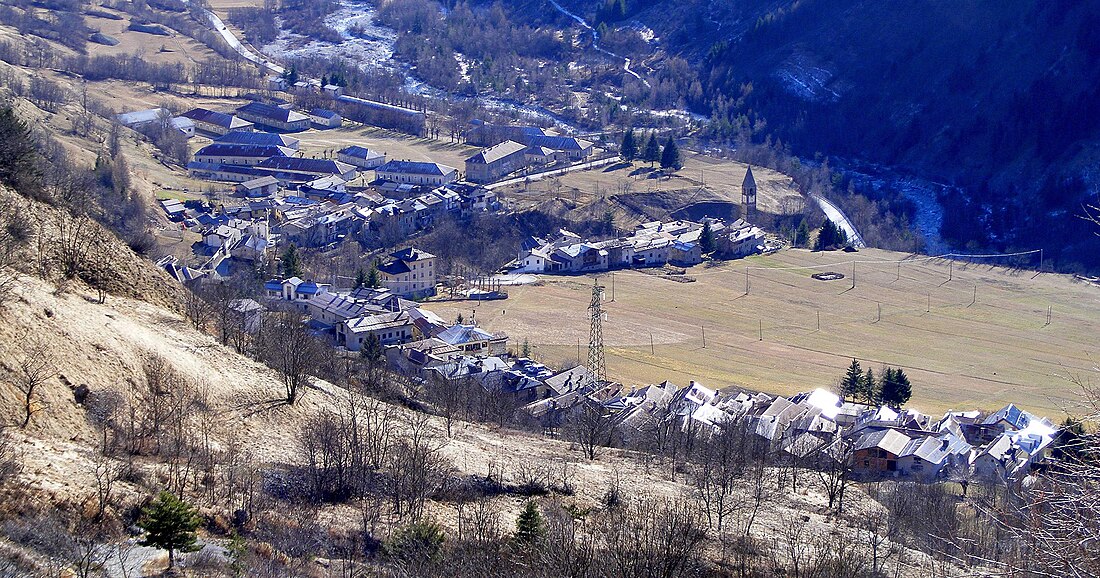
(172, 49)
(958, 354)
(719, 176)
(395, 145)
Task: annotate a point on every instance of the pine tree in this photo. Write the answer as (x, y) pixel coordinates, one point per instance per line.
(170, 524)
(869, 388)
(826, 237)
(896, 389)
(670, 157)
(802, 234)
(372, 351)
(706, 238)
(373, 281)
(850, 383)
(609, 223)
(360, 278)
(20, 164)
(419, 542)
(652, 151)
(529, 525)
(629, 148)
(292, 262)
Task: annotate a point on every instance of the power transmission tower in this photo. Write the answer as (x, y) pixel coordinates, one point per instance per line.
(596, 362)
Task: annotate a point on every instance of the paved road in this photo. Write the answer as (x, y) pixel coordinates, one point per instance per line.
(244, 51)
(556, 172)
(841, 220)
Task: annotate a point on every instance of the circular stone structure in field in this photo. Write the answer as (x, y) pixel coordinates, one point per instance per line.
(828, 276)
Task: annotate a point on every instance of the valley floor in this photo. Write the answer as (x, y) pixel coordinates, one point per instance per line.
(969, 335)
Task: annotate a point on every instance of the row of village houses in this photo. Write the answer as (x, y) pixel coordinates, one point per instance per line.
(349, 318)
(324, 213)
(651, 244)
(320, 214)
(875, 442)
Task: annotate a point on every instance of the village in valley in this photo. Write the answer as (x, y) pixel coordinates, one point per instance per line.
(534, 290)
(282, 200)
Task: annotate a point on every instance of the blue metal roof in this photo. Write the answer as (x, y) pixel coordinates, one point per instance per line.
(296, 164)
(257, 139)
(273, 285)
(243, 150)
(560, 143)
(308, 288)
(413, 167)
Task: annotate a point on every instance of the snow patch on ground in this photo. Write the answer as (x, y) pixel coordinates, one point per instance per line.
(644, 31)
(806, 80)
(371, 49)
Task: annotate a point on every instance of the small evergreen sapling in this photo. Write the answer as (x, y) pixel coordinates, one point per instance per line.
(529, 525)
(170, 524)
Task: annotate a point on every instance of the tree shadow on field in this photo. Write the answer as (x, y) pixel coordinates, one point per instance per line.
(617, 166)
(250, 409)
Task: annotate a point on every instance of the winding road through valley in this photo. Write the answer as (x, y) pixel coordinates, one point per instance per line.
(596, 42)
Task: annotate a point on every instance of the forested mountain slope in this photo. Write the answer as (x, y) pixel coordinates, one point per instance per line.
(997, 99)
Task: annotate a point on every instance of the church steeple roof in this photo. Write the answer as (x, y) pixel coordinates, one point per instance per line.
(749, 180)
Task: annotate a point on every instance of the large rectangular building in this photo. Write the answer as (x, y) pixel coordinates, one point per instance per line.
(361, 157)
(274, 117)
(217, 122)
(238, 154)
(259, 139)
(310, 169)
(417, 173)
(496, 161)
(410, 273)
(574, 148)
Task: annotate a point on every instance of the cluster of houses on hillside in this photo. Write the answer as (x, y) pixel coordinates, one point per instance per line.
(350, 318)
(520, 148)
(873, 442)
(652, 244)
(318, 213)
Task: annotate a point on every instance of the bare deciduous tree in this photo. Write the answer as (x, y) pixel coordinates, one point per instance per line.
(1057, 522)
(197, 310)
(15, 233)
(590, 427)
(287, 346)
(718, 473)
(417, 467)
(106, 472)
(834, 471)
(652, 537)
(34, 369)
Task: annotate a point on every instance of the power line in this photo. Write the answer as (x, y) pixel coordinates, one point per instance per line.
(907, 260)
(596, 362)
